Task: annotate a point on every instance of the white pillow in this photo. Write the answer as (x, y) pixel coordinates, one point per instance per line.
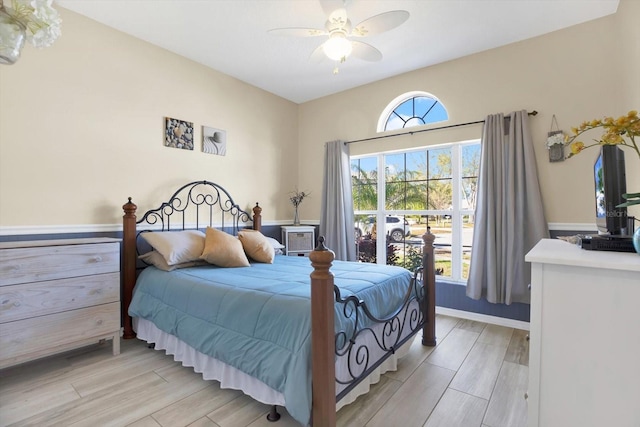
(157, 260)
(274, 243)
(176, 246)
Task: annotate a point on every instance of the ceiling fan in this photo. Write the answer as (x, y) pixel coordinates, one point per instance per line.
(340, 43)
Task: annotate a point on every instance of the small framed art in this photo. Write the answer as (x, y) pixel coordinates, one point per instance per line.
(214, 141)
(178, 134)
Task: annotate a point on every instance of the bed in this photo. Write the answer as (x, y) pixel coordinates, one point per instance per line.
(309, 334)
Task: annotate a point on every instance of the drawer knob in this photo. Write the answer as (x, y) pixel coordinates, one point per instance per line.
(96, 258)
(526, 395)
(99, 322)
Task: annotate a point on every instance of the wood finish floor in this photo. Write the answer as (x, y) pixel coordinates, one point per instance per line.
(475, 377)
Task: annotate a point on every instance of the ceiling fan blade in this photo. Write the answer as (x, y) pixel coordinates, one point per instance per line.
(365, 51)
(380, 23)
(329, 6)
(298, 32)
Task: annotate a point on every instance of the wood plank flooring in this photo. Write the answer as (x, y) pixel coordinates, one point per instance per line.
(475, 377)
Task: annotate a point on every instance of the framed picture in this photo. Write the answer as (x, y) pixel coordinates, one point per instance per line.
(178, 134)
(214, 141)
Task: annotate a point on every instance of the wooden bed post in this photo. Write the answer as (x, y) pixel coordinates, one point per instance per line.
(322, 338)
(429, 283)
(128, 264)
(257, 217)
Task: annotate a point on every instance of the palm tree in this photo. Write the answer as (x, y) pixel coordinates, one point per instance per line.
(364, 185)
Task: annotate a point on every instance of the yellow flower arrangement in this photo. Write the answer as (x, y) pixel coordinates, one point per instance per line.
(620, 131)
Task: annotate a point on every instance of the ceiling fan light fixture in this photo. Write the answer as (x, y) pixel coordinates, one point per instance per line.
(337, 48)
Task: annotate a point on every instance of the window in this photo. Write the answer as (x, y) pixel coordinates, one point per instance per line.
(434, 186)
(412, 109)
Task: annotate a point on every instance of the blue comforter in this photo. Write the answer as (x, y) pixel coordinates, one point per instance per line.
(258, 318)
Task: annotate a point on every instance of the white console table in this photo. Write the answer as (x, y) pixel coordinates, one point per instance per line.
(584, 362)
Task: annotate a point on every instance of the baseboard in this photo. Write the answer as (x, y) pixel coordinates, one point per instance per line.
(494, 320)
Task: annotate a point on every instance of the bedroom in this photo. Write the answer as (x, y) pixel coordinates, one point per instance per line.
(77, 120)
(118, 95)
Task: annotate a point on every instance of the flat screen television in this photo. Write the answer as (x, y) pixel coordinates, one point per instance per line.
(610, 184)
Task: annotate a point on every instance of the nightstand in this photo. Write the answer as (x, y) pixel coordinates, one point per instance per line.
(299, 240)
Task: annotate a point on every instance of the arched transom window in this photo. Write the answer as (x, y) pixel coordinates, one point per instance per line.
(412, 109)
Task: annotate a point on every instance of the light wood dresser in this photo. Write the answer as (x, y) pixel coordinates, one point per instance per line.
(56, 295)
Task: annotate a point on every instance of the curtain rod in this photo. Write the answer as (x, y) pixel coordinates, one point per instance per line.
(532, 113)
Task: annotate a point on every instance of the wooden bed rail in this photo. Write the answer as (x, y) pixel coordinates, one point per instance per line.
(322, 326)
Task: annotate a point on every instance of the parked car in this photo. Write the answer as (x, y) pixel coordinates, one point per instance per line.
(397, 227)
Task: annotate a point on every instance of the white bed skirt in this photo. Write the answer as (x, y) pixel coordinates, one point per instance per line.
(231, 378)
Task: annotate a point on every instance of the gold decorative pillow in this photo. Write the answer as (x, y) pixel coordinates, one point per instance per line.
(176, 246)
(257, 246)
(223, 249)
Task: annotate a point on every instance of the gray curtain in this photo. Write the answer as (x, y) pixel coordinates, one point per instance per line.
(509, 217)
(336, 216)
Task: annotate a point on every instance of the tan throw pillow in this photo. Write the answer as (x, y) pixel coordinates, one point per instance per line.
(157, 260)
(176, 246)
(223, 249)
(256, 246)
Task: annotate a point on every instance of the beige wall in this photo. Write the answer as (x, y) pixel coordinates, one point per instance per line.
(81, 129)
(577, 74)
(81, 122)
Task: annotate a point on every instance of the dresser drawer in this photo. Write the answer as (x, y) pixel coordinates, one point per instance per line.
(37, 264)
(40, 336)
(54, 296)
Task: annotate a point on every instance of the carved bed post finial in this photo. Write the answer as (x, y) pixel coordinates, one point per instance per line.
(257, 217)
(322, 337)
(321, 246)
(128, 264)
(429, 284)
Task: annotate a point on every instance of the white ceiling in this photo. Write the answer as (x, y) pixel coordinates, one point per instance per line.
(231, 35)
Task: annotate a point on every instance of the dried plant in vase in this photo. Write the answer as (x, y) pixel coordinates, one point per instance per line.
(296, 197)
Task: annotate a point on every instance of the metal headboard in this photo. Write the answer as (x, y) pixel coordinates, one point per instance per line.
(197, 205)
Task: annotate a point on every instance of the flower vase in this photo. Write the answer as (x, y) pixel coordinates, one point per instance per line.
(296, 220)
(636, 240)
(13, 35)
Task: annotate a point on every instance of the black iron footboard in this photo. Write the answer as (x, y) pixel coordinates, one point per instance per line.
(373, 340)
